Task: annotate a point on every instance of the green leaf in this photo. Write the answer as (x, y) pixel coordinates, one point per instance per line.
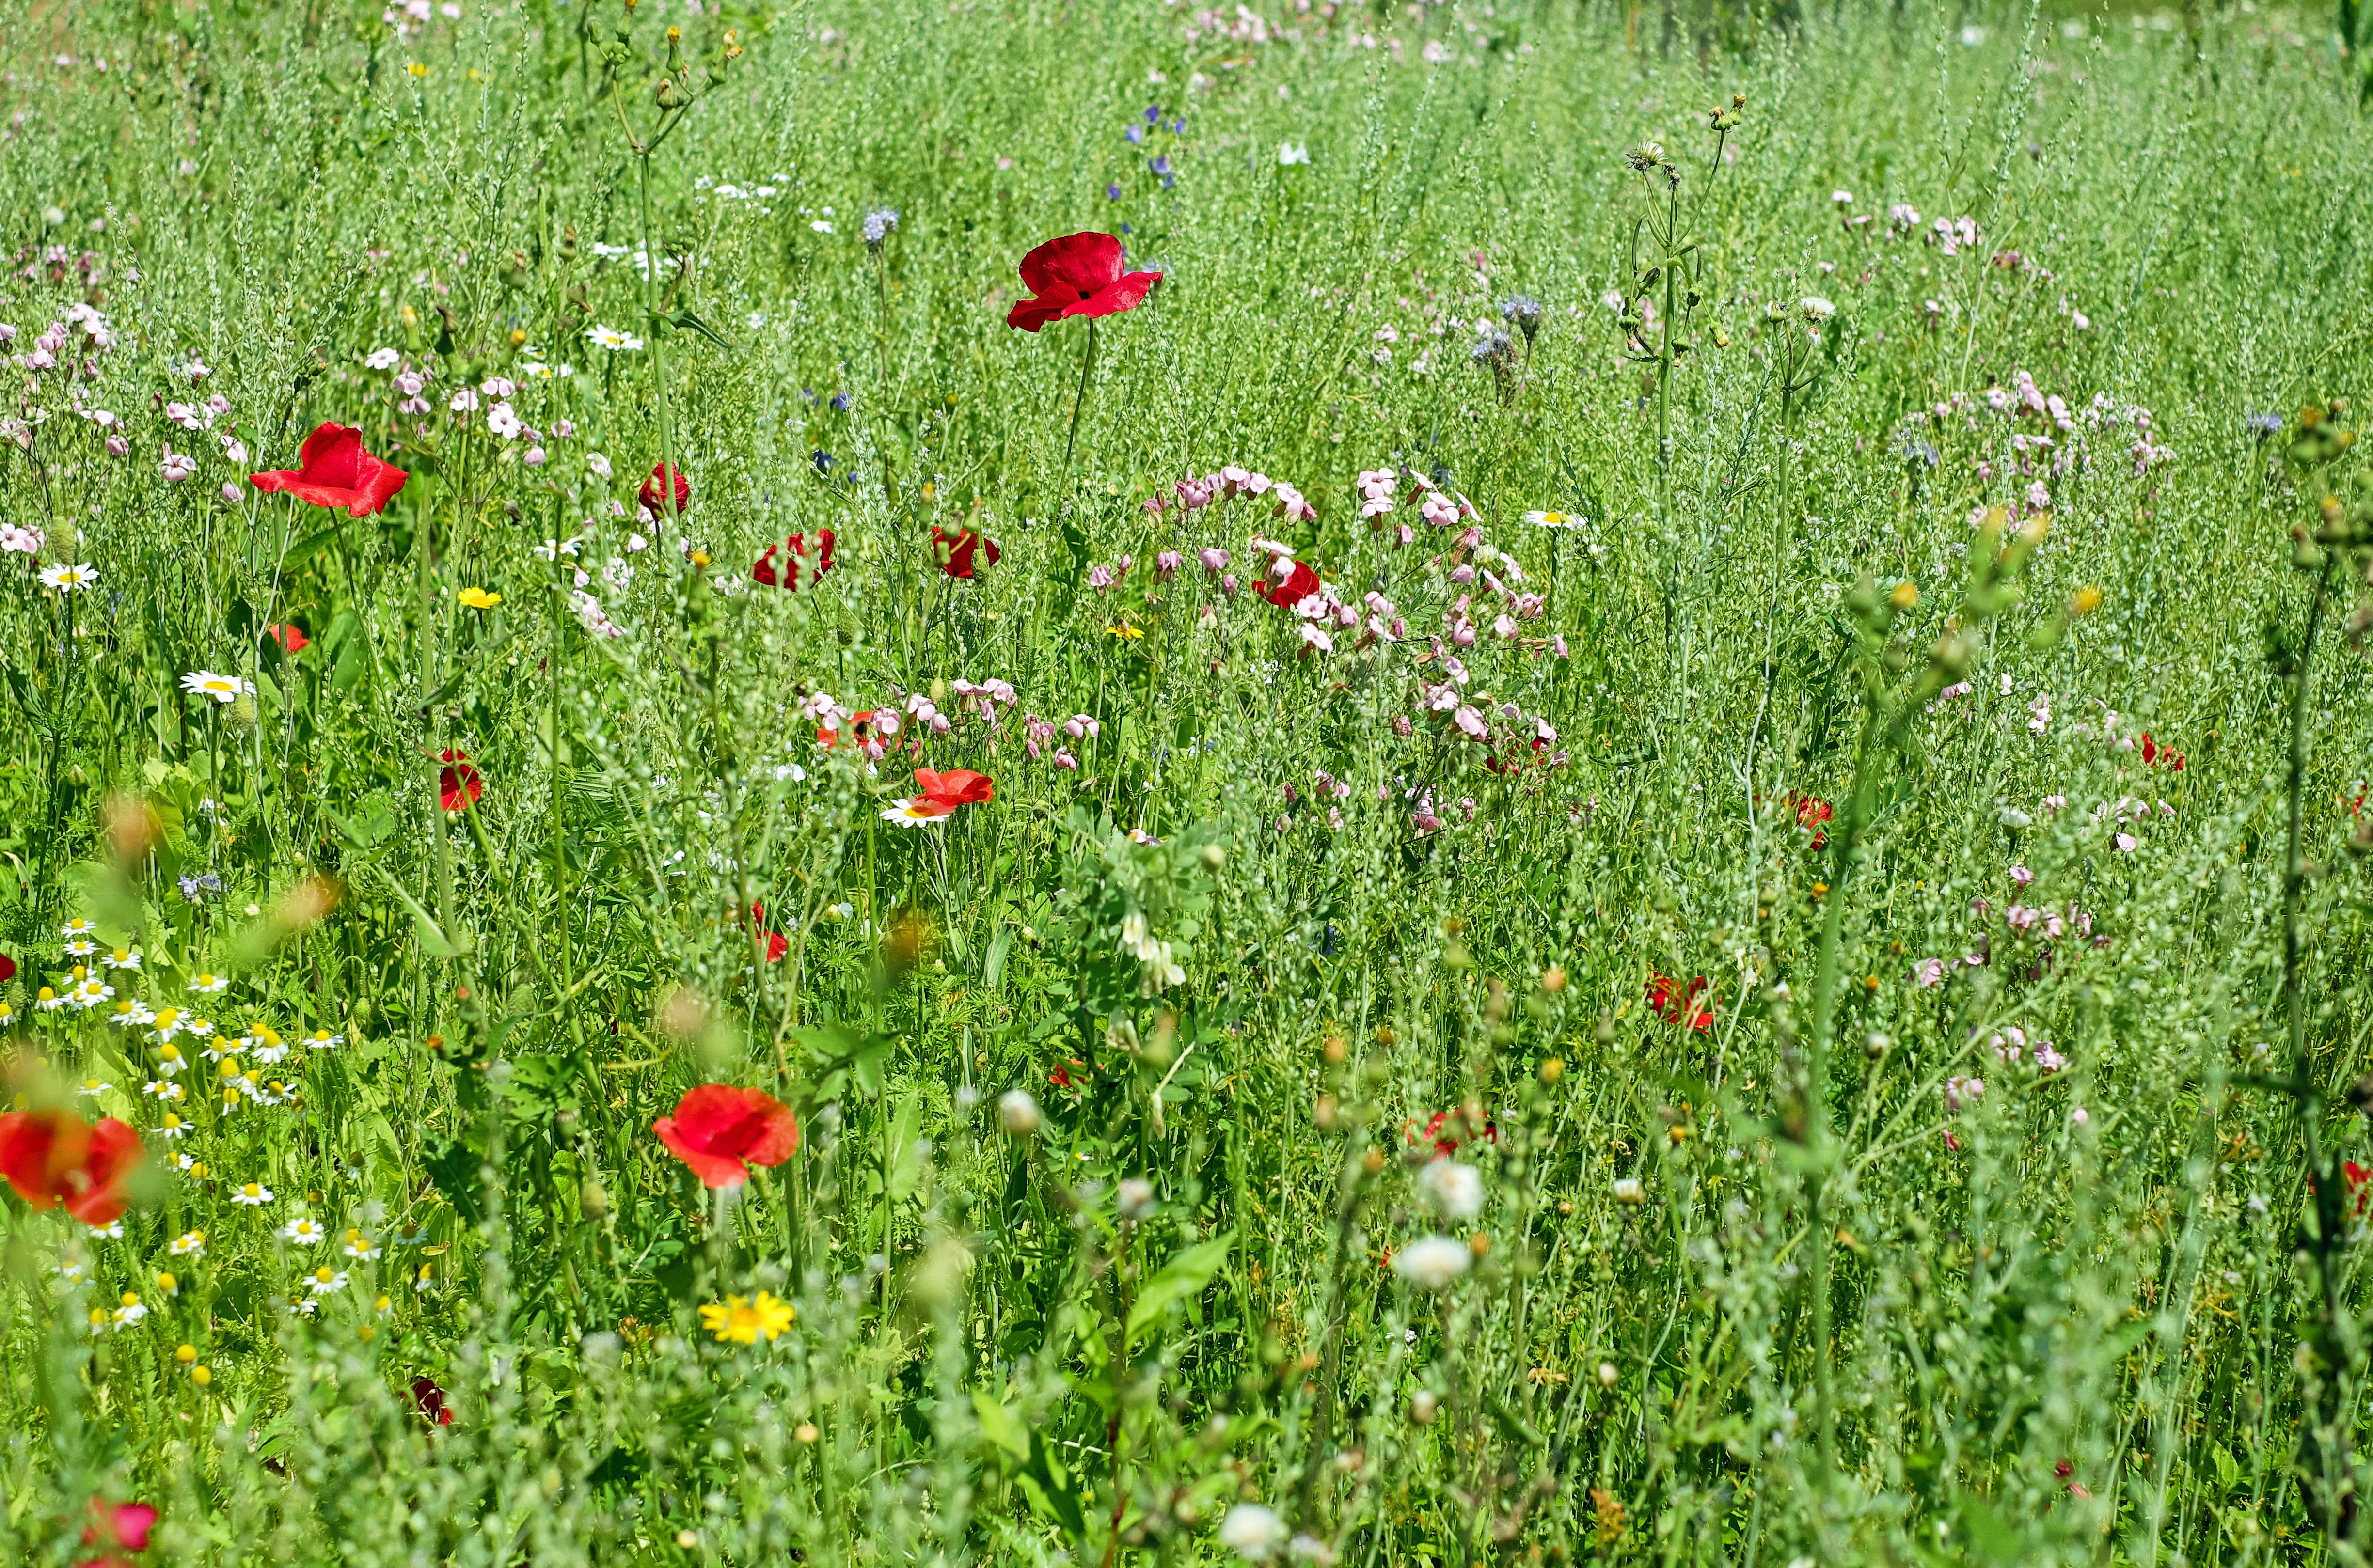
(687, 322)
(998, 946)
(433, 940)
(1183, 1276)
(1000, 1426)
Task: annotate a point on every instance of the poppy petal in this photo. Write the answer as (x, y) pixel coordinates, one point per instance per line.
(1076, 264)
(714, 1170)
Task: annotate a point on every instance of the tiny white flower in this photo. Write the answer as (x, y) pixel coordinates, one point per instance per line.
(305, 1232)
(254, 1195)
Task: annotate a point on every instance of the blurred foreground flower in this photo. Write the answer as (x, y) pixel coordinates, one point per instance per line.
(717, 1128)
(53, 1156)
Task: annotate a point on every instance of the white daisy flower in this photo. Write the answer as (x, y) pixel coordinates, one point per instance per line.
(77, 928)
(189, 1244)
(171, 1061)
(81, 947)
(919, 812)
(207, 984)
(93, 1087)
(326, 1281)
(173, 1127)
(357, 1245)
(120, 958)
(322, 1039)
(254, 1195)
(164, 1089)
(66, 579)
(223, 689)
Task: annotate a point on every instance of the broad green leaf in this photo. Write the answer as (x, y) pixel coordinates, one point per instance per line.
(1183, 1276)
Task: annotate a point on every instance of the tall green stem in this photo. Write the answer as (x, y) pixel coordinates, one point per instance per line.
(1080, 401)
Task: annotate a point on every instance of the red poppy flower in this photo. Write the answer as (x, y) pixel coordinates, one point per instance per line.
(291, 638)
(457, 782)
(653, 494)
(776, 943)
(1061, 1077)
(53, 1157)
(1291, 592)
(336, 471)
(2157, 756)
(430, 1400)
(860, 729)
(1677, 1003)
(1079, 274)
(794, 565)
(2361, 1187)
(958, 786)
(1812, 811)
(717, 1128)
(7, 969)
(955, 551)
(121, 1526)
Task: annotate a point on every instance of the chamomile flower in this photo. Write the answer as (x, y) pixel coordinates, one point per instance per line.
(254, 1195)
(164, 1089)
(93, 1087)
(198, 1029)
(189, 1244)
(322, 1039)
(207, 984)
(130, 1312)
(187, 1165)
(168, 1022)
(48, 1001)
(223, 689)
(73, 929)
(66, 579)
(72, 1271)
(131, 1013)
(171, 1061)
(384, 1306)
(120, 958)
(90, 992)
(81, 947)
(1547, 520)
(326, 1281)
(304, 1308)
(918, 812)
(173, 1127)
(304, 1231)
(359, 1245)
(426, 1280)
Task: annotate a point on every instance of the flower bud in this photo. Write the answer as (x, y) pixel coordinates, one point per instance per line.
(1017, 1113)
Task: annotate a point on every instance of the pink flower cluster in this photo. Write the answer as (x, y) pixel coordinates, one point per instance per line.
(1229, 482)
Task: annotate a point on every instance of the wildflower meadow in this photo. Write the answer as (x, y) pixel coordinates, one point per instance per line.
(1140, 783)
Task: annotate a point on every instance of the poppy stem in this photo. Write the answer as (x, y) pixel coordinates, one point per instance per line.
(1087, 363)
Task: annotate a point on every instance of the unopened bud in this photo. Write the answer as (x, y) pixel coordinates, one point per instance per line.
(1017, 1113)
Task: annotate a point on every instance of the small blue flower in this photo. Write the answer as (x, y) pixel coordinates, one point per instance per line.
(1136, 133)
(840, 402)
(823, 460)
(1178, 126)
(1152, 114)
(1162, 164)
(1112, 192)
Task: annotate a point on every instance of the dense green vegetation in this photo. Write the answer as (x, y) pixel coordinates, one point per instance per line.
(1644, 809)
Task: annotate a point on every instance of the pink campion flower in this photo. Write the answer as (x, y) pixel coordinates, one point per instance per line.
(1228, 585)
(1960, 1092)
(2048, 1059)
(1080, 727)
(1214, 559)
(2021, 918)
(117, 446)
(1557, 645)
(1313, 637)
(1463, 633)
(1065, 761)
(2126, 842)
(2055, 803)
(1192, 494)
(1100, 577)
(1233, 478)
(40, 359)
(1345, 616)
(1471, 722)
(182, 414)
(217, 405)
(230, 494)
(2021, 875)
(1401, 726)
(1441, 699)
(20, 541)
(1167, 565)
(408, 382)
(177, 466)
(1462, 576)
(1928, 973)
(1504, 626)
(463, 400)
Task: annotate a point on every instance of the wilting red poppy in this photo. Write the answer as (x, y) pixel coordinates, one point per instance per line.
(717, 1128)
(117, 1526)
(1292, 591)
(430, 1400)
(653, 494)
(336, 471)
(1079, 274)
(457, 782)
(794, 564)
(1678, 1003)
(955, 552)
(53, 1157)
(957, 786)
(1812, 812)
(290, 637)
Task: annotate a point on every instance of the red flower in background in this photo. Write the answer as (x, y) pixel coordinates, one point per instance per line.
(335, 470)
(2157, 756)
(291, 638)
(2361, 1187)
(457, 782)
(1441, 1132)
(53, 1156)
(958, 786)
(1812, 815)
(776, 943)
(120, 1526)
(653, 494)
(1678, 1003)
(955, 551)
(7, 969)
(794, 565)
(430, 1401)
(1079, 274)
(717, 1128)
(860, 729)
(1291, 592)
